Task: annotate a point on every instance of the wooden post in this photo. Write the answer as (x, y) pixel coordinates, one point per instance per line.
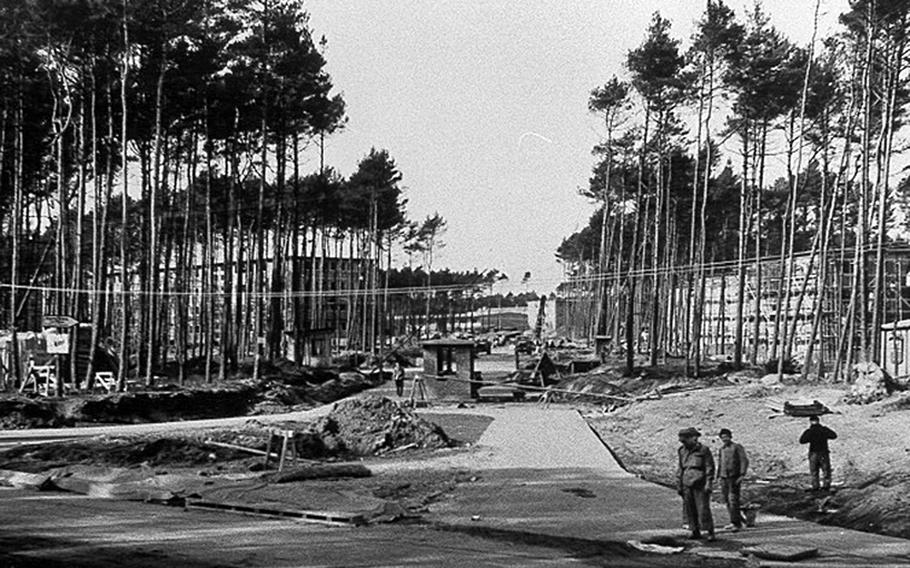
(284, 450)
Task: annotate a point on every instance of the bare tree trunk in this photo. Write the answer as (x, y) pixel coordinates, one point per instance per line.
(788, 338)
(702, 237)
(632, 277)
(689, 331)
(741, 257)
(826, 209)
(861, 228)
(656, 248)
(209, 255)
(97, 249)
(276, 326)
(15, 229)
(259, 287)
(882, 190)
(296, 272)
(124, 273)
(228, 352)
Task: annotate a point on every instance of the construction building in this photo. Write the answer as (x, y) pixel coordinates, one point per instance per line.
(765, 295)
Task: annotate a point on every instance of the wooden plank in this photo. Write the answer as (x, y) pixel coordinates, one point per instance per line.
(782, 552)
(58, 321)
(323, 517)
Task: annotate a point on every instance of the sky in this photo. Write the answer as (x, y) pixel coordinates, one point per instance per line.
(483, 106)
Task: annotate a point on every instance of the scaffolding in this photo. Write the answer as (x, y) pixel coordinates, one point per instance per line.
(795, 300)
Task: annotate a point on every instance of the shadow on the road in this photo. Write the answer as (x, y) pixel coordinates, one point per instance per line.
(591, 552)
(15, 549)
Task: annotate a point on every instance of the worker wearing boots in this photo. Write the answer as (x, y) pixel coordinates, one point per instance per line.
(732, 464)
(695, 479)
(817, 437)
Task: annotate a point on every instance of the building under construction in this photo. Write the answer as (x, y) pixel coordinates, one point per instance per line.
(773, 308)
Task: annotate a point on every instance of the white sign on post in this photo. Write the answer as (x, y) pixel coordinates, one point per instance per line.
(58, 343)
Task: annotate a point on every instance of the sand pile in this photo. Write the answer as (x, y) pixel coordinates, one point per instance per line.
(871, 384)
(369, 425)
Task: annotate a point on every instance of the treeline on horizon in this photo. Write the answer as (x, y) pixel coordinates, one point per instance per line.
(683, 179)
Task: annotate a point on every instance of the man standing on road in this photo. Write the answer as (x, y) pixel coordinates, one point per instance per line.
(732, 464)
(695, 479)
(817, 437)
(398, 377)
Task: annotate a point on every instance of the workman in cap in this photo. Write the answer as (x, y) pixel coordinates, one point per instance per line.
(732, 464)
(817, 437)
(695, 480)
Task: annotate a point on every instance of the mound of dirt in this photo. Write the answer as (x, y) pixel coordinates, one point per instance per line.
(650, 382)
(591, 384)
(233, 399)
(22, 412)
(870, 384)
(117, 452)
(874, 503)
(367, 426)
(278, 397)
(877, 504)
(284, 387)
(343, 385)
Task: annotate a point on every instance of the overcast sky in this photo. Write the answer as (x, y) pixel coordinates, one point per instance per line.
(483, 106)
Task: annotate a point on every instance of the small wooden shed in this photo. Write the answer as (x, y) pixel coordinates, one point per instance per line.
(448, 368)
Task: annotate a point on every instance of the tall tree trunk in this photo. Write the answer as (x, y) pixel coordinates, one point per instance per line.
(275, 312)
(209, 255)
(632, 277)
(894, 69)
(154, 266)
(296, 272)
(861, 226)
(702, 222)
(688, 328)
(15, 227)
(78, 300)
(788, 339)
(97, 249)
(124, 259)
(741, 253)
(260, 248)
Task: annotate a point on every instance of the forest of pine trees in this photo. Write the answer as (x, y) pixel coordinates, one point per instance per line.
(686, 188)
(153, 184)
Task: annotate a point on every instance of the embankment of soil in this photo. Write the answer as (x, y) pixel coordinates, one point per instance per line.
(871, 456)
(280, 390)
(356, 428)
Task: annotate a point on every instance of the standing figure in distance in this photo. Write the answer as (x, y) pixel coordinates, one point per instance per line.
(817, 437)
(398, 377)
(732, 464)
(695, 479)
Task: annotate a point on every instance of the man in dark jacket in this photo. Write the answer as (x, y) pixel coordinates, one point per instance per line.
(695, 480)
(398, 378)
(817, 437)
(732, 465)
